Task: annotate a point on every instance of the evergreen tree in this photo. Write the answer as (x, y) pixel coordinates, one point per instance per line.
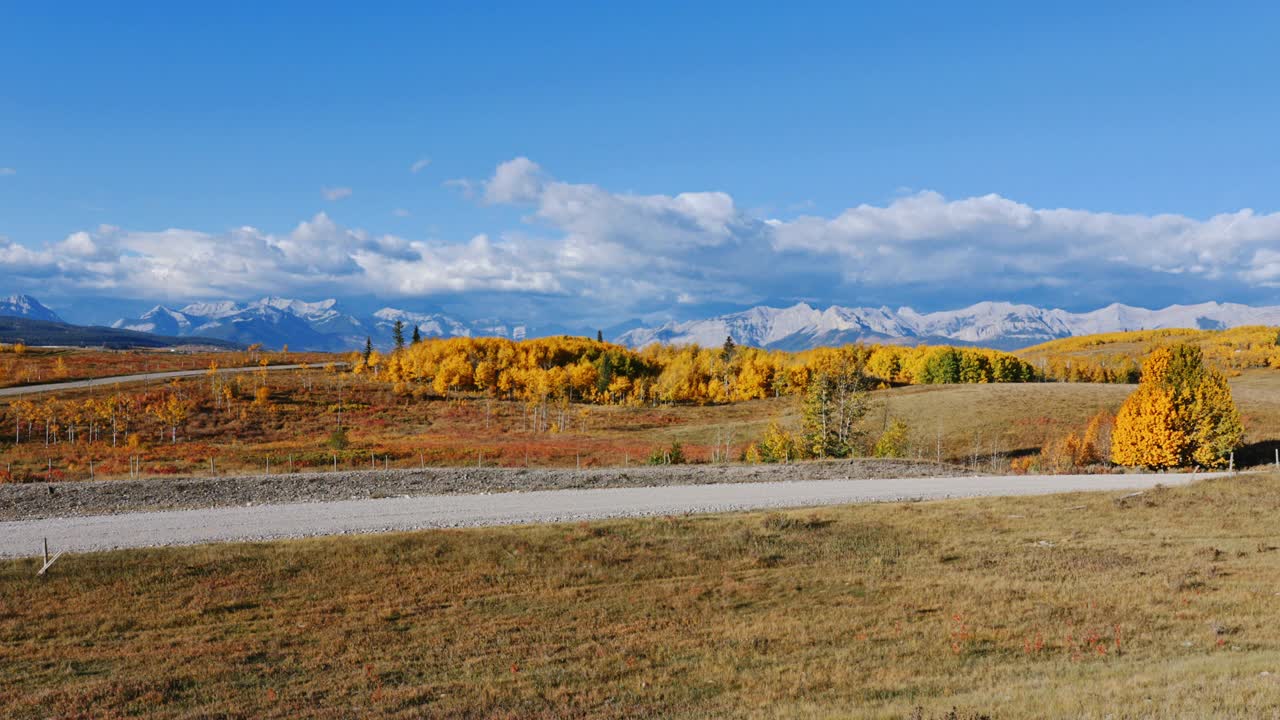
(397, 334)
(726, 352)
(368, 349)
(599, 336)
(417, 335)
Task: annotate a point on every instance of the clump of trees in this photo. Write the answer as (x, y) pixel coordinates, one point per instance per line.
(574, 369)
(1182, 414)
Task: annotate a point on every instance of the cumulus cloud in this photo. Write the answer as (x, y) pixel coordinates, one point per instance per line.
(609, 255)
(318, 256)
(419, 165)
(335, 193)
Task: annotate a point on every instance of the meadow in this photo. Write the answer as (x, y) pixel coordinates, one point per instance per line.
(20, 365)
(291, 425)
(1085, 605)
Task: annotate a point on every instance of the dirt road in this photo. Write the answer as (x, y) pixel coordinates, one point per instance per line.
(184, 527)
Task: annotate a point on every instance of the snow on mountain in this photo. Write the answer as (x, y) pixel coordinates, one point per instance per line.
(430, 324)
(437, 325)
(159, 320)
(322, 325)
(25, 306)
(992, 324)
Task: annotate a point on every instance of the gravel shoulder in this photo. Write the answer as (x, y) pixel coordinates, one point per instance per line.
(291, 520)
(70, 499)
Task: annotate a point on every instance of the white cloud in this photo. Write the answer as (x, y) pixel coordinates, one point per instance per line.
(515, 181)
(611, 254)
(419, 165)
(333, 194)
(7, 171)
(401, 212)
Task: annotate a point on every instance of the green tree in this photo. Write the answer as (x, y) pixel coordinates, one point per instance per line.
(835, 400)
(941, 366)
(726, 352)
(368, 350)
(417, 335)
(397, 334)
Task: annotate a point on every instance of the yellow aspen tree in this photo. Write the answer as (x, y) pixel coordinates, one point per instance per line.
(1147, 431)
(1215, 422)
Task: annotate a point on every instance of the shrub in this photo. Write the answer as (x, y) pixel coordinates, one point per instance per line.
(893, 441)
(338, 439)
(673, 455)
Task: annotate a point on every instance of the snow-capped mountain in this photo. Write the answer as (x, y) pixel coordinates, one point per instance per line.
(25, 306)
(323, 325)
(437, 325)
(992, 324)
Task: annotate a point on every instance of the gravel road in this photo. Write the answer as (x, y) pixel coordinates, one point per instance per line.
(185, 527)
(123, 379)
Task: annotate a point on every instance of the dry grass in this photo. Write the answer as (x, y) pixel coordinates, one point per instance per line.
(1013, 419)
(1061, 606)
(47, 365)
(1005, 419)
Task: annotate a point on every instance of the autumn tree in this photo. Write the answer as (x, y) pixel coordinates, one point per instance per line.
(171, 412)
(892, 443)
(835, 401)
(1181, 414)
(777, 445)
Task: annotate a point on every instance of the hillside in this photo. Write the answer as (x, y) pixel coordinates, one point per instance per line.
(1113, 356)
(40, 332)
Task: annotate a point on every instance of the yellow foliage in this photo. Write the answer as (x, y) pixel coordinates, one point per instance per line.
(1181, 414)
(1148, 432)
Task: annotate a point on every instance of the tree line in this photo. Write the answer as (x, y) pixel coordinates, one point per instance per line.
(578, 369)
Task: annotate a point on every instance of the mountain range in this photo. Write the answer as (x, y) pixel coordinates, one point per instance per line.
(326, 325)
(321, 325)
(990, 324)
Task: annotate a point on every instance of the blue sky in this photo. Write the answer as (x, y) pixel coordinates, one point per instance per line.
(897, 153)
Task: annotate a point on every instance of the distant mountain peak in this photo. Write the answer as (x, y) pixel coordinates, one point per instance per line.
(25, 306)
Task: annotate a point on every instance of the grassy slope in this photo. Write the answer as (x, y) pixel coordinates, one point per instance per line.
(1158, 605)
(1015, 418)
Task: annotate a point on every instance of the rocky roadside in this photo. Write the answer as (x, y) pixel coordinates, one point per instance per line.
(43, 500)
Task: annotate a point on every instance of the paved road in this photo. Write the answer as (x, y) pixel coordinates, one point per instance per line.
(185, 527)
(140, 377)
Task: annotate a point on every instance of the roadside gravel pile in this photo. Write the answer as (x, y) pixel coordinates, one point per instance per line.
(43, 500)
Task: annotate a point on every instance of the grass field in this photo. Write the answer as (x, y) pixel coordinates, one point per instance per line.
(1085, 605)
(51, 365)
(967, 424)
